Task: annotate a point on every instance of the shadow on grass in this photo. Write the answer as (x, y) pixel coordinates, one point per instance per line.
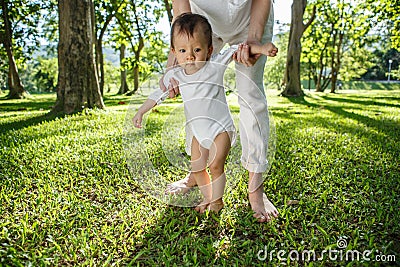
(184, 237)
(20, 124)
(362, 100)
(116, 100)
(39, 102)
(43, 102)
(388, 127)
(372, 85)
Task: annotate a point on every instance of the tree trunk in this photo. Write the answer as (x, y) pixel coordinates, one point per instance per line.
(135, 69)
(100, 65)
(78, 85)
(318, 85)
(99, 51)
(336, 62)
(137, 52)
(292, 71)
(168, 8)
(297, 28)
(124, 85)
(17, 90)
(135, 78)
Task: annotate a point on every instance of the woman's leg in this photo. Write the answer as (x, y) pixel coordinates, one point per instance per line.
(254, 129)
(254, 135)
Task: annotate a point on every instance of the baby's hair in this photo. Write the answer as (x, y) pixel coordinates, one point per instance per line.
(186, 23)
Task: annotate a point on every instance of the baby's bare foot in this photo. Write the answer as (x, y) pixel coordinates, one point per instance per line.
(203, 206)
(181, 186)
(263, 209)
(216, 205)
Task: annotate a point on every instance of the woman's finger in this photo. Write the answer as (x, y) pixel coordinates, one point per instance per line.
(161, 84)
(245, 54)
(173, 88)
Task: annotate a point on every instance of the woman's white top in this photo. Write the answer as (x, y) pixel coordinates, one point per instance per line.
(227, 17)
(206, 110)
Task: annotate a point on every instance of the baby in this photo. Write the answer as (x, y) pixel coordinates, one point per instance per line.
(210, 131)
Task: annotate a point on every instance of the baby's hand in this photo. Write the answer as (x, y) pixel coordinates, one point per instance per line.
(271, 49)
(137, 120)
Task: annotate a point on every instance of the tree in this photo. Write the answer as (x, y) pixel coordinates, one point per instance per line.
(124, 88)
(105, 11)
(387, 12)
(297, 28)
(355, 63)
(14, 82)
(340, 29)
(78, 85)
(349, 28)
(276, 65)
(22, 23)
(40, 74)
(137, 24)
(168, 8)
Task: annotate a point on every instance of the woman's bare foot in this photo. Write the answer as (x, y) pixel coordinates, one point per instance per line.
(263, 209)
(181, 186)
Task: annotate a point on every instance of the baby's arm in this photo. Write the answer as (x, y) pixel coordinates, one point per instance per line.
(268, 49)
(146, 106)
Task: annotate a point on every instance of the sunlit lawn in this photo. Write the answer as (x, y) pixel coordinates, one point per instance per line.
(67, 196)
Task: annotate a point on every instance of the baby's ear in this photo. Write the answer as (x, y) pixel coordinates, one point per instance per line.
(210, 50)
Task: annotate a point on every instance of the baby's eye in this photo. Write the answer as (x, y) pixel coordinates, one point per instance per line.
(182, 50)
(197, 50)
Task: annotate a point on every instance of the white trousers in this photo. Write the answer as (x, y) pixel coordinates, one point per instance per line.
(254, 119)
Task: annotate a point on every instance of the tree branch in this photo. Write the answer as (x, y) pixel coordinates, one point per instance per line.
(311, 19)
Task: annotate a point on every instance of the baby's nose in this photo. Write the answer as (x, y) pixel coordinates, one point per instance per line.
(190, 56)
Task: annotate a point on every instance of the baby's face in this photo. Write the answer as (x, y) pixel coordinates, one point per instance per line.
(191, 52)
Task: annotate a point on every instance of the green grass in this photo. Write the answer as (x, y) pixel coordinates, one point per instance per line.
(67, 196)
(359, 85)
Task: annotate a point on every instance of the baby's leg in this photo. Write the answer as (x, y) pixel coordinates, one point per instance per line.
(218, 153)
(199, 164)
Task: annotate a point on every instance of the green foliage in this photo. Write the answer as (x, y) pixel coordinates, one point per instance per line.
(136, 29)
(395, 74)
(3, 71)
(28, 22)
(380, 68)
(67, 197)
(356, 62)
(275, 67)
(24, 17)
(152, 58)
(322, 48)
(40, 75)
(387, 15)
(112, 74)
(230, 77)
(358, 85)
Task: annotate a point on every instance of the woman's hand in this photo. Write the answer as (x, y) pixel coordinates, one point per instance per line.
(173, 87)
